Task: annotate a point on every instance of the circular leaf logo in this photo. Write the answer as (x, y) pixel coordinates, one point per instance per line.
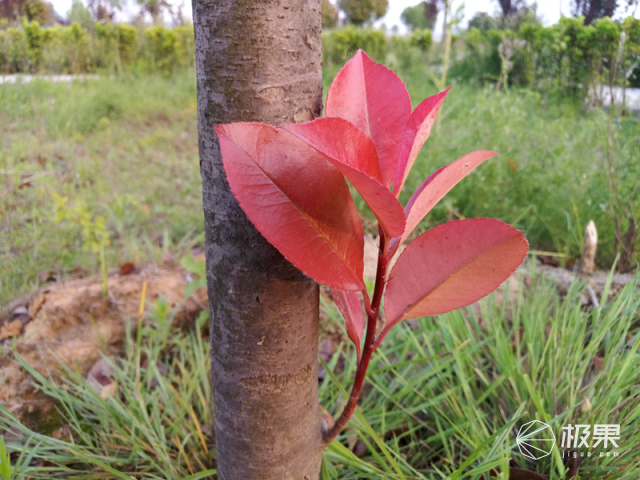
(535, 440)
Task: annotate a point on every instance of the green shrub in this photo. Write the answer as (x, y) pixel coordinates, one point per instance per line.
(117, 44)
(161, 50)
(14, 55)
(422, 39)
(75, 49)
(69, 50)
(565, 58)
(631, 28)
(403, 55)
(340, 44)
(36, 39)
(185, 46)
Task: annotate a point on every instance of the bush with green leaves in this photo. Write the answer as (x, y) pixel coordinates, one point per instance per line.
(36, 39)
(422, 39)
(566, 58)
(75, 49)
(340, 44)
(165, 49)
(69, 50)
(14, 55)
(118, 44)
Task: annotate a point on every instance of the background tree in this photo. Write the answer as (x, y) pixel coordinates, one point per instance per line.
(37, 10)
(593, 9)
(104, 10)
(80, 15)
(264, 312)
(511, 7)
(431, 9)
(415, 17)
(360, 12)
(329, 14)
(483, 22)
(515, 13)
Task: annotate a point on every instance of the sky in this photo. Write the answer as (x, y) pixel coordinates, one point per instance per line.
(548, 10)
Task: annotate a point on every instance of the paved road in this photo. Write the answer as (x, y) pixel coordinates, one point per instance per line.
(632, 96)
(49, 78)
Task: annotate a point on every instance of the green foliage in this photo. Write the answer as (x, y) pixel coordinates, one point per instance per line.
(340, 44)
(631, 29)
(359, 12)
(415, 17)
(155, 425)
(422, 39)
(80, 14)
(94, 233)
(329, 15)
(36, 39)
(118, 44)
(69, 50)
(6, 472)
(37, 11)
(125, 146)
(14, 53)
(166, 49)
(566, 58)
(483, 22)
(76, 49)
(405, 56)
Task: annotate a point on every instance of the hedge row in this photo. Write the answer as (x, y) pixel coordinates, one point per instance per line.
(567, 57)
(340, 44)
(111, 47)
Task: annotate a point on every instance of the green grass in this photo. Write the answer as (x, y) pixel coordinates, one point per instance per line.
(125, 149)
(445, 399)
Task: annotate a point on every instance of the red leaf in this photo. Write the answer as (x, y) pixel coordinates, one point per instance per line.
(435, 187)
(349, 305)
(127, 268)
(417, 132)
(451, 266)
(353, 153)
(297, 200)
(374, 99)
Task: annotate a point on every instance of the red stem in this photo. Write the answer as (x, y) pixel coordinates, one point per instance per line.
(372, 319)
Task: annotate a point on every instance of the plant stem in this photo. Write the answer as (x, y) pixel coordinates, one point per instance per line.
(372, 319)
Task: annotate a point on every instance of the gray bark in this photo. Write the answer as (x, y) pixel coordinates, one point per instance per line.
(258, 61)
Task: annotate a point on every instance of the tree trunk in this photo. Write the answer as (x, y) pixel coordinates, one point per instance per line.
(258, 61)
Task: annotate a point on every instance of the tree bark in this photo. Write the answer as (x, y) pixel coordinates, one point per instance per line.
(258, 61)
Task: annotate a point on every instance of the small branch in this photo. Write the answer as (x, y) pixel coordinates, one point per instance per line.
(593, 296)
(372, 318)
(586, 266)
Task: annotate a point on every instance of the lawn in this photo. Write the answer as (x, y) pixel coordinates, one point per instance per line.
(122, 149)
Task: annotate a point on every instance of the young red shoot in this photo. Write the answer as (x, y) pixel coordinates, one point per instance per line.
(291, 183)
